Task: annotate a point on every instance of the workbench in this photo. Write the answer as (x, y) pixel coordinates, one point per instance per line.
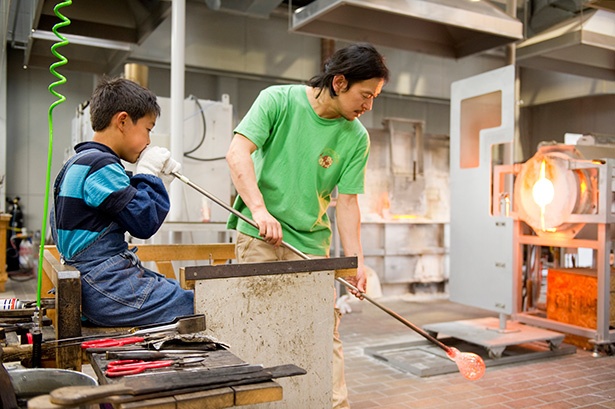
(213, 399)
(218, 380)
(225, 397)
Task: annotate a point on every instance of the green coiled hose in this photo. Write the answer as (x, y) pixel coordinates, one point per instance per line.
(37, 333)
(61, 80)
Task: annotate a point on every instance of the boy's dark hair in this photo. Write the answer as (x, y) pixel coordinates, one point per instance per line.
(119, 94)
(357, 62)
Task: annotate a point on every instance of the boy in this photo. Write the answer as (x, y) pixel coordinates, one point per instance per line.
(96, 202)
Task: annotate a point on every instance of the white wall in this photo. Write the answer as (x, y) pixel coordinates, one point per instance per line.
(28, 102)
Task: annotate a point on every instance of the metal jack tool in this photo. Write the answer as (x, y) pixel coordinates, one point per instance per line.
(470, 365)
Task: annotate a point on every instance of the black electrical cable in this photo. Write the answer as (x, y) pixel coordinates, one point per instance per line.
(204, 134)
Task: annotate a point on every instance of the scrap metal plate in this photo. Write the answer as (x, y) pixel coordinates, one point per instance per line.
(486, 332)
(423, 359)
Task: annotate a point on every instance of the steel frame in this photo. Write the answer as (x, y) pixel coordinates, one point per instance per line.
(601, 243)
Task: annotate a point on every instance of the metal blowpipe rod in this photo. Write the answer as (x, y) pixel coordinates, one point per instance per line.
(298, 252)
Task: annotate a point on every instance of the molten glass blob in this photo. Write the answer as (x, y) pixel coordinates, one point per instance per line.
(471, 366)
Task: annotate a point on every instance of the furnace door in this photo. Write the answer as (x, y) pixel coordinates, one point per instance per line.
(481, 241)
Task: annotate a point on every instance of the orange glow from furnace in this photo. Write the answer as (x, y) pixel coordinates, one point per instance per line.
(404, 216)
(543, 193)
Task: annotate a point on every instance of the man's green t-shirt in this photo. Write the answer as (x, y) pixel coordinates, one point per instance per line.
(300, 159)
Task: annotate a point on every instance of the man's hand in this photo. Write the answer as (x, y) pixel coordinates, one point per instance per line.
(359, 281)
(269, 228)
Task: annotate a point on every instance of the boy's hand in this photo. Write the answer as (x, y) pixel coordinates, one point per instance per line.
(152, 160)
(169, 167)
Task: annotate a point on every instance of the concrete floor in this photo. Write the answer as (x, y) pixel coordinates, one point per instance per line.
(575, 380)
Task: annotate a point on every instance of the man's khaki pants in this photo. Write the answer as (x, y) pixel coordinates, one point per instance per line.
(252, 250)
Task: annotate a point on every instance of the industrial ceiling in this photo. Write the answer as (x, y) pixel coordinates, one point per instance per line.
(583, 45)
(102, 34)
(447, 28)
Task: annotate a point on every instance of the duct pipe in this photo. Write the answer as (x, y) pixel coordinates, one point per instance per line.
(137, 73)
(178, 65)
(511, 10)
(511, 59)
(327, 48)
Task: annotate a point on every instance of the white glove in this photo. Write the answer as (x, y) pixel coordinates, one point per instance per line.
(171, 166)
(165, 174)
(152, 160)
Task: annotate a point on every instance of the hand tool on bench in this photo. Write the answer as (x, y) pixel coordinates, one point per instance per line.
(189, 324)
(166, 384)
(11, 327)
(111, 342)
(45, 401)
(470, 365)
(137, 348)
(125, 367)
(146, 354)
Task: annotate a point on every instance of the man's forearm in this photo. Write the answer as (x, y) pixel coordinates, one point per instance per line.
(348, 218)
(242, 172)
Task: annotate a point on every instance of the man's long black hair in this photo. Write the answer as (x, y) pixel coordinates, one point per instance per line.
(357, 62)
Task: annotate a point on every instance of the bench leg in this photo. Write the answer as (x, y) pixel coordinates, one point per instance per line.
(68, 320)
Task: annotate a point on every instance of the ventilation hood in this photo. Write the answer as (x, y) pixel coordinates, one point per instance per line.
(101, 34)
(447, 28)
(252, 8)
(608, 5)
(584, 46)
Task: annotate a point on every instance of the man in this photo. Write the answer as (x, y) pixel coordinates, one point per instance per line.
(295, 145)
